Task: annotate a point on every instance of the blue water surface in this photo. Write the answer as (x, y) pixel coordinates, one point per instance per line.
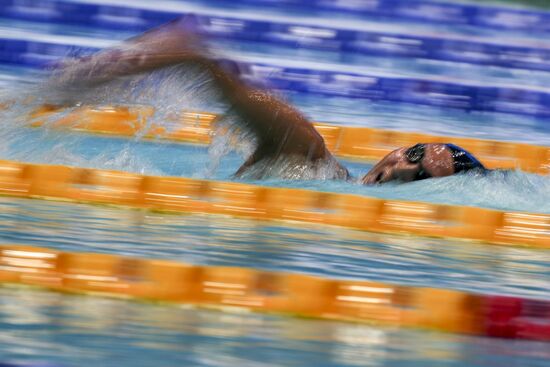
(85, 331)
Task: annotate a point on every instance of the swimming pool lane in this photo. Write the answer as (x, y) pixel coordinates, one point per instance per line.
(470, 89)
(365, 112)
(75, 330)
(275, 246)
(514, 190)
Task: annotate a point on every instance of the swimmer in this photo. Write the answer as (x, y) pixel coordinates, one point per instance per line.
(288, 145)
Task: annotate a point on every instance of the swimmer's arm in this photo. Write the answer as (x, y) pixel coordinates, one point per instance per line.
(278, 126)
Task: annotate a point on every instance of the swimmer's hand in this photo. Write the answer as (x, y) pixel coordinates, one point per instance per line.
(170, 44)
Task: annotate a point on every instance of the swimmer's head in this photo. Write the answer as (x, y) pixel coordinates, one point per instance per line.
(411, 164)
(394, 166)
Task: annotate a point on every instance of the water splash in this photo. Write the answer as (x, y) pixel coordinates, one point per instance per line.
(168, 91)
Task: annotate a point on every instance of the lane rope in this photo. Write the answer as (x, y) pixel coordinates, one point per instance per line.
(178, 194)
(276, 292)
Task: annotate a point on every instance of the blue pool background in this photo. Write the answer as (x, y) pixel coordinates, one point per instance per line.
(38, 326)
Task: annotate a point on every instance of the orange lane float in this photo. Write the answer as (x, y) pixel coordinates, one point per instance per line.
(276, 292)
(344, 141)
(269, 203)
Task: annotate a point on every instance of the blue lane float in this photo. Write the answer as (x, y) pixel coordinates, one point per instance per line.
(531, 56)
(425, 11)
(432, 92)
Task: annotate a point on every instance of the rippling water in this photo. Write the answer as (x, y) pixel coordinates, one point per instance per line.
(85, 331)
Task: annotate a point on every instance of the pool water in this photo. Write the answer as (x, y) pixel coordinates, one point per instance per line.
(275, 246)
(84, 331)
(513, 190)
(40, 326)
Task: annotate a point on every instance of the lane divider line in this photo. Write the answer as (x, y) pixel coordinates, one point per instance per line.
(178, 194)
(276, 292)
(344, 141)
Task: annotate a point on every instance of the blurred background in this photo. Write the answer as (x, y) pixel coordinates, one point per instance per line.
(457, 69)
